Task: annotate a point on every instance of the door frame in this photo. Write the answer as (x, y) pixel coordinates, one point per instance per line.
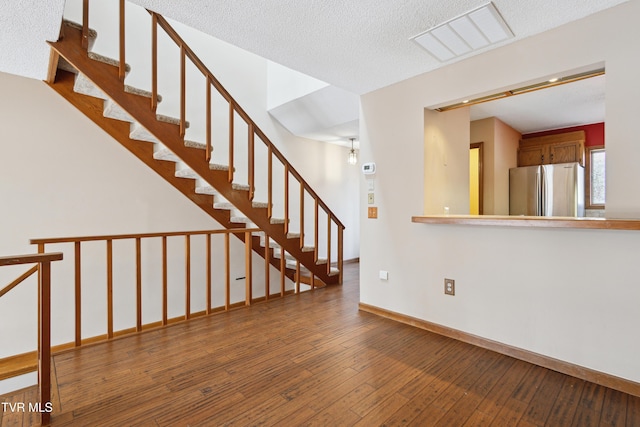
(479, 146)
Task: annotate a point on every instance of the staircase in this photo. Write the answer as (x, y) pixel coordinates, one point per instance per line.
(96, 86)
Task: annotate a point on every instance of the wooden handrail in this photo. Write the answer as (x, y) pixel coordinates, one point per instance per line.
(30, 259)
(44, 320)
(50, 240)
(44, 295)
(245, 233)
(19, 280)
(237, 108)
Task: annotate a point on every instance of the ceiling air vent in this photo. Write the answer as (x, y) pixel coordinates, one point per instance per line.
(474, 30)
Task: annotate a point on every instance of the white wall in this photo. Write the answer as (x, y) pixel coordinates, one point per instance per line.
(446, 142)
(285, 84)
(500, 152)
(505, 157)
(530, 288)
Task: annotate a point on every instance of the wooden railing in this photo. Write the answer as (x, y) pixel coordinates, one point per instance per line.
(19, 280)
(43, 262)
(333, 223)
(162, 266)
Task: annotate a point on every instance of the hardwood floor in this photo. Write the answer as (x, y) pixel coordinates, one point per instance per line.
(313, 359)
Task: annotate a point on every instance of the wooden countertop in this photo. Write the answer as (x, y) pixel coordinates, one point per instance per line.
(530, 221)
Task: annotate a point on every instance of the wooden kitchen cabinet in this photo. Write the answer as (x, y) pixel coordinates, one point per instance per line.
(561, 148)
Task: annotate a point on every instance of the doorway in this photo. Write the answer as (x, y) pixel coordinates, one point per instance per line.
(475, 179)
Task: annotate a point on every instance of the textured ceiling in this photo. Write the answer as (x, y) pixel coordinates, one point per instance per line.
(357, 45)
(25, 25)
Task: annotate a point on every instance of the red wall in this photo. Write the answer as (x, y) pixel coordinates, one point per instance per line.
(594, 133)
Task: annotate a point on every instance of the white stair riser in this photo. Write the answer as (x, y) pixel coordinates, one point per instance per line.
(139, 133)
(166, 154)
(85, 86)
(114, 111)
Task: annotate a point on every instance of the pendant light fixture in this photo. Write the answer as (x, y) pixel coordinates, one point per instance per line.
(353, 157)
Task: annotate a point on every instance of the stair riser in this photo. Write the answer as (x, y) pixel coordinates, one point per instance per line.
(113, 111)
(85, 86)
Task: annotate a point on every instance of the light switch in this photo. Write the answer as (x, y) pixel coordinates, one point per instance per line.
(384, 275)
(370, 198)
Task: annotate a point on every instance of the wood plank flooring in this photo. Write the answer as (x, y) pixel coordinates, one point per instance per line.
(313, 360)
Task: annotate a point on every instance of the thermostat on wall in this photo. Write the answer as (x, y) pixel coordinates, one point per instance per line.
(369, 168)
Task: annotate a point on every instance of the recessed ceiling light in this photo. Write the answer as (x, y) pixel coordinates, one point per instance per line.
(473, 30)
(524, 89)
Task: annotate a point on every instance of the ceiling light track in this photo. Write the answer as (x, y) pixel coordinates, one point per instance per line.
(524, 89)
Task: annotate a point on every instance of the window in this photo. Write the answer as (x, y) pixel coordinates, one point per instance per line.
(595, 178)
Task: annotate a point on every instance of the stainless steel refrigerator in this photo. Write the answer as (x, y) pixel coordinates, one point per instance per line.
(547, 190)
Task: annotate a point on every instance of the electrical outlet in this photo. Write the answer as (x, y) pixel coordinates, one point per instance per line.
(449, 287)
(372, 212)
